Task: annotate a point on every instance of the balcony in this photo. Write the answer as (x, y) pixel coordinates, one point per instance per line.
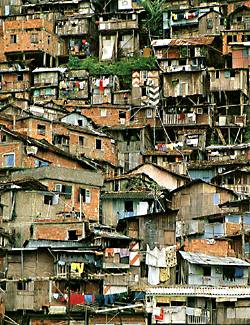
(187, 119)
(74, 27)
(232, 120)
(14, 86)
(117, 25)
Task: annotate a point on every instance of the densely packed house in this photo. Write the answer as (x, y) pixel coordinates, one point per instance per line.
(124, 162)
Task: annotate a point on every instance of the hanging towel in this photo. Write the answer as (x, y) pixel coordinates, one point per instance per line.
(153, 275)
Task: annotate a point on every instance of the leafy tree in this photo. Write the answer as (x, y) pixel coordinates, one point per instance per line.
(153, 22)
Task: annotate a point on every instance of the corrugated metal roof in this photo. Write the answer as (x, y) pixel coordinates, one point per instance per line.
(32, 243)
(208, 40)
(200, 291)
(200, 258)
(41, 70)
(129, 195)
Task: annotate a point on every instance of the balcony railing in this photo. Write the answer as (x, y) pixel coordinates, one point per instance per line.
(227, 120)
(14, 86)
(187, 119)
(117, 24)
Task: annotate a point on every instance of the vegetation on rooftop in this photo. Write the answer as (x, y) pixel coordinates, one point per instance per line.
(122, 68)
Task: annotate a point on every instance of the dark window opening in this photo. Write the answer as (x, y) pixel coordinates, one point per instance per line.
(217, 74)
(72, 235)
(230, 181)
(48, 199)
(41, 129)
(143, 91)
(81, 141)
(207, 271)
(98, 144)
(122, 114)
(128, 205)
(22, 285)
(13, 39)
(20, 77)
(80, 122)
(229, 38)
(229, 273)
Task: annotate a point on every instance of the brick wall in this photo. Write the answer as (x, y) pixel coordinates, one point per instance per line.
(46, 40)
(209, 247)
(110, 119)
(55, 231)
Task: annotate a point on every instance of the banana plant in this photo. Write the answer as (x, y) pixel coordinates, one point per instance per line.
(153, 10)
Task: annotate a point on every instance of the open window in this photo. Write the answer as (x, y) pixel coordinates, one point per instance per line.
(85, 195)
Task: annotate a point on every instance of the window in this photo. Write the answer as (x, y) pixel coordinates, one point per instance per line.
(128, 205)
(239, 19)
(22, 285)
(207, 271)
(48, 92)
(149, 113)
(63, 189)
(209, 23)
(234, 38)
(41, 163)
(81, 141)
(72, 235)
(19, 77)
(222, 21)
(85, 195)
(9, 160)
(103, 112)
(41, 129)
(229, 273)
(245, 53)
(34, 38)
(80, 122)
(229, 38)
(98, 144)
(217, 74)
(13, 39)
(48, 199)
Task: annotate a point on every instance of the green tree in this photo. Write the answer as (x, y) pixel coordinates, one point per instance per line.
(153, 22)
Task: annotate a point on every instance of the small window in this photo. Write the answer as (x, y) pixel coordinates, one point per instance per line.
(149, 113)
(122, 114)
(72, 235)
(103, 112)
(229, 38)
(222, 21)
(81, 141)
(80, 122)
(207, 271)
(48, 199)
(22, 285)
(98, 144)
(3, 138)
(234, 38)
(217, 74)
(9, 160)
(128, 206)
(48, 91)
(85, 195)
(34, 38)
(13, 39)
(239, 19)
(41, 129)
(209, 23)
(20, 77)
(245, 53)
(41, 163)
